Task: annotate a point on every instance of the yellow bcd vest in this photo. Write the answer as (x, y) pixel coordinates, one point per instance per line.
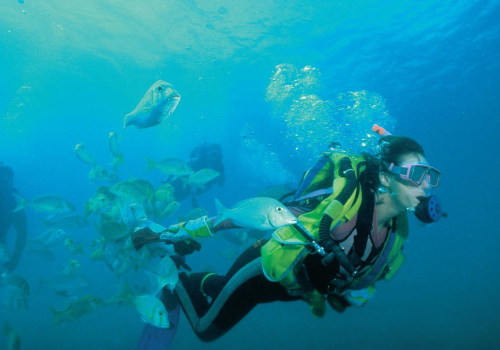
(283, 254)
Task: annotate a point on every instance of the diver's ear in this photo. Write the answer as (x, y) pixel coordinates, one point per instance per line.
(384, 179)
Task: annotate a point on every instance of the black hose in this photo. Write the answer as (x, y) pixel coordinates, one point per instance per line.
(325, 239)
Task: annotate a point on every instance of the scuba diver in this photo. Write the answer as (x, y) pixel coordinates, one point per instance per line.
(352, 224)
(9, 218)
(205, 155)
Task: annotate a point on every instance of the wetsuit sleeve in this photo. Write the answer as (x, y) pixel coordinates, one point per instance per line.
(224, 225)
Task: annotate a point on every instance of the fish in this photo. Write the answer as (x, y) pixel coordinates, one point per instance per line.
(13, 340)
(259, 213)
(76, 308)
(152, 311)
(128, 190)
(111, 230)
(164, 193)
(99, 173)
(45, 204)
(98, 204)
(144, 186)
(121, 256)
(84, 155)
(64, 284)
(199, 179)
(115, 150)
(98, 254)
(14, 292)
(165, 274)
(169, 209)
(170, 166)
(71, 267)
(70, 222)
(157, 104)
(163, 196)
(132, 212)
(48, 239)
(73, 247)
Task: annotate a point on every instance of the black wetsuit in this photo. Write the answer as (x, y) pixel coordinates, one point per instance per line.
(227, 298)
(16, 219)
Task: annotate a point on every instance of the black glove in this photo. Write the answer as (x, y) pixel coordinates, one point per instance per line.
(186, 247)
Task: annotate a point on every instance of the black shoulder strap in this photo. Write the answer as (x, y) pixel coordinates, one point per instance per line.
(364, 221)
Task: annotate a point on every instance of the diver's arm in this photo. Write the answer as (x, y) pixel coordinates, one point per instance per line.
(21, 227)
(223, 225)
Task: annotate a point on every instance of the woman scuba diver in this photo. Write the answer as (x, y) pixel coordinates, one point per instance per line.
(352, 223)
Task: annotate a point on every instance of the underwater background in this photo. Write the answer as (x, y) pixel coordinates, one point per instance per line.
(274, 83)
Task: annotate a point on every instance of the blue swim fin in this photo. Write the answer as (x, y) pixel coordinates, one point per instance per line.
(154, 338)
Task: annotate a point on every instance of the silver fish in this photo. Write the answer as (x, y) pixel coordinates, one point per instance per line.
(165, 274)
(159, 102)
(76, 309)
(115, 149)
(200, 178)
(170, 166)
(50, 238)
(83, 154)
(259, 213)
(46, 204)
(152, 311)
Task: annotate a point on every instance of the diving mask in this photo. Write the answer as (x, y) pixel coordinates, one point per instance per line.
(416, 173)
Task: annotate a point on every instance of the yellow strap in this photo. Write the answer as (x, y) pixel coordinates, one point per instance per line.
(203, 281)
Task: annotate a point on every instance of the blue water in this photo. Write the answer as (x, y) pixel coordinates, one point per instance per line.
(429, 70)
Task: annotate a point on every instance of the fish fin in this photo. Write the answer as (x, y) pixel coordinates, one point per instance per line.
(221, 209)
(57, 315)
(125, 117)
(88, 210)
(21, 202)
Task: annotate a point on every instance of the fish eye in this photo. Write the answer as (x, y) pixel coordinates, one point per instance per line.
(160, 88)
(279, 209)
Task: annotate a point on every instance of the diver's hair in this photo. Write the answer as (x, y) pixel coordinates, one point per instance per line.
(391, 149)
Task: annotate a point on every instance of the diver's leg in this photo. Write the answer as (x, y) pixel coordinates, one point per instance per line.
(234, 295)
(204, 285)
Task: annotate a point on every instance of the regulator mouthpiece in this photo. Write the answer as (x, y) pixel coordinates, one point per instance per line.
(429, 209)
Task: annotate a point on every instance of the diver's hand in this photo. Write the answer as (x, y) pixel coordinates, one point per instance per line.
(187, 230)
(186, 247)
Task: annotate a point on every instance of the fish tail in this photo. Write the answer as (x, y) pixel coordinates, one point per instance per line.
(57, 315)
(88, 210)
(221, 210)
(151, 164)
(21, 202)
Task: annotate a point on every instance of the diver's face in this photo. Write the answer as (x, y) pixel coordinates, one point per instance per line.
(407, 193)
